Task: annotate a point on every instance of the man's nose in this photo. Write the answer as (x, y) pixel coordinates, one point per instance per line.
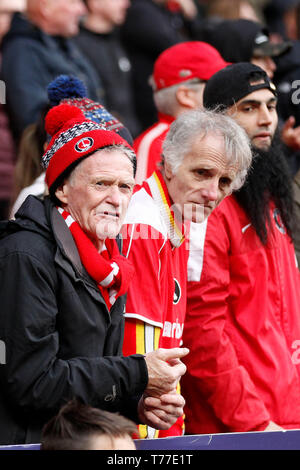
(265, 118)
(114, 195)
(211, 189)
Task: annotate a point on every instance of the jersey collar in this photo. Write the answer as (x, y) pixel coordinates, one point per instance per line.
(161, 197)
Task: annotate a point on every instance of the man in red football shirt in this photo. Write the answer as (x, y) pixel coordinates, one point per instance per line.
(205, 157)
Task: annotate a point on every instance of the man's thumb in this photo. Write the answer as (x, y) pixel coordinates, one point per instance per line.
(174, 353)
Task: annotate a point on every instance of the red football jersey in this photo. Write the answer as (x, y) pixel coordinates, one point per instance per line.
(156, 303)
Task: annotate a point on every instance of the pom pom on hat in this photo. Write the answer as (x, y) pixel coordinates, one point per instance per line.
(70, 90)
(65, 86)
(59, 115)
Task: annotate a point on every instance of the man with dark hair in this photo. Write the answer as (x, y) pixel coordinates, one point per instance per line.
(78, 426)
(243, 320)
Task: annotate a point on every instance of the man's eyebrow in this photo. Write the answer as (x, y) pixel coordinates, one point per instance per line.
(258, 102)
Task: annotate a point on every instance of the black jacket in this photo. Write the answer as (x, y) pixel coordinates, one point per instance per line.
(149, 29)
(31, 60)
(108, 56)
(60, 339)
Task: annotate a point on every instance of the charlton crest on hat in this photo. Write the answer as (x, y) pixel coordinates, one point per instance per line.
(84, 144)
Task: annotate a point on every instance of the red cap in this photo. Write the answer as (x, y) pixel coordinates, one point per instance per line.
(185, 61)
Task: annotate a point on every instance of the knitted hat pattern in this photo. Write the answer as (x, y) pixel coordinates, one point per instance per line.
(74, 137)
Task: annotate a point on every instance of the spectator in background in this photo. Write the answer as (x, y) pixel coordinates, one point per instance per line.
(178, 81)
(218, 10)
(78, 426)
(245, 40)
(282, 18)
(35, 51)
(7, 147)
(243, 316)
(99, 40)
(29, 176)
(152, 26)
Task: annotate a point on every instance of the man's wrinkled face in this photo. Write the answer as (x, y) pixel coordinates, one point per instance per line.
(98, 192)
(257, 114)
(203, 179)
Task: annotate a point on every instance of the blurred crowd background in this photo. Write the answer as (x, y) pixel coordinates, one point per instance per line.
(111, 45)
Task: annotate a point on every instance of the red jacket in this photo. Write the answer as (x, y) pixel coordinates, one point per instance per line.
(148, 147)
(242, 326)
(156, 300)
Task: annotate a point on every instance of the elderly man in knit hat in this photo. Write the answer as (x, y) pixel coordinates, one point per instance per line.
(178, 80)
(243, 316)
(63, 282)
(67, 89)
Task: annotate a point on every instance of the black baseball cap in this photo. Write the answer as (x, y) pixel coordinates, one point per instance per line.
(240, 40)
(232, 83)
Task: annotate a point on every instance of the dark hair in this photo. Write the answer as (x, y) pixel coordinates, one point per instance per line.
(31, 148)
(268, 180)
(77, 423)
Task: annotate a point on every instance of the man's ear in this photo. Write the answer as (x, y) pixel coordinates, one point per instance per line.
(186, 97)
(62, 193)
(168, 170)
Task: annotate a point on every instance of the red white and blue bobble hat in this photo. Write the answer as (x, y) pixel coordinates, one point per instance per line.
(74, 137)
(68, 89)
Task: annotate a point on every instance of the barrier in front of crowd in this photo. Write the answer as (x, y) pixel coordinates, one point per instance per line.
(277, 440)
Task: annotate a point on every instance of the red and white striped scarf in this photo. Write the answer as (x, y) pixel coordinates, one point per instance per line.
(109, 269)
